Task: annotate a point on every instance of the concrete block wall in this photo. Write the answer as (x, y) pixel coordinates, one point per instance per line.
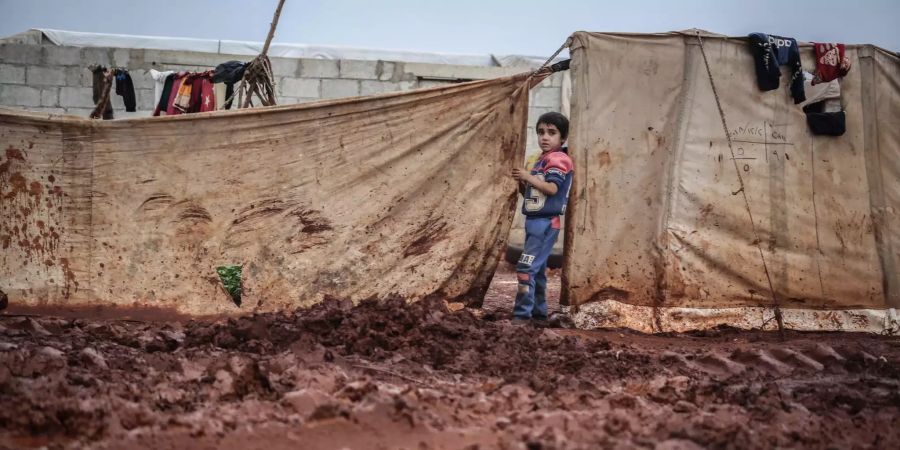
(42, 77)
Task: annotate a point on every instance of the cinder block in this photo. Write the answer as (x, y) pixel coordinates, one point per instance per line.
(77, 97)
(141, 79)
(435, 83)
(300, 87)
(91, 56)
(47, 110)
(50, 97)
(456, 72)
(79, 77)
(284, 67)
(385, 70)
(20, 54)
(61, 56)
(45, 76)
(378, 87)
(534, 112)
(319, 68)
(547, 83)
(340, 88)
(121, 57)
(10, 74)
(362, 70)
(547, 97)
(82, 112)
(18, 95)
(116, 101)
(145, 100)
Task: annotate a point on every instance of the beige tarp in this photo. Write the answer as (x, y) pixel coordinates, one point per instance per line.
(404, 194)
(654, 219)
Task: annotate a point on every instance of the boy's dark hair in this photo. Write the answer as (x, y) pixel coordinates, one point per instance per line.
(556, 119)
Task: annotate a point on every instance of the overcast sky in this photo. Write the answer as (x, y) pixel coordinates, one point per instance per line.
(462, 26)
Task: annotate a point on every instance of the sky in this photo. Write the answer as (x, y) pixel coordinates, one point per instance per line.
(525, 27)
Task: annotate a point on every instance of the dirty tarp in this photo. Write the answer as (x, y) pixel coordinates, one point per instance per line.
(654, 219)
(404, 194)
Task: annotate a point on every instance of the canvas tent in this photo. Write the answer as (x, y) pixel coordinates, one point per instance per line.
(404, 194)
(658, 235)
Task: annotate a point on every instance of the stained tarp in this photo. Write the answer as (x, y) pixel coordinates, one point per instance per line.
(405, 194)
(655, 217)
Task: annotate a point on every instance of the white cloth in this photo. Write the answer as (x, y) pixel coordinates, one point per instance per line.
(159, 79)
(822, 91)
(220, 95)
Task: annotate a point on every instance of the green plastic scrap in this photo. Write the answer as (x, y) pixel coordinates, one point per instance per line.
(231, 281)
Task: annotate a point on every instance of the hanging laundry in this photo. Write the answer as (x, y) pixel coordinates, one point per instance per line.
(207, 94)
(183, 97)
(827, 123)
(769, 53)
(831, 62)
(125, 89)
(229, 73)
(159, 81)
(177, 84)
(828, 93)
(163, 102)
(823, 109)
(98, 72)
(196, 82)
(219, 89)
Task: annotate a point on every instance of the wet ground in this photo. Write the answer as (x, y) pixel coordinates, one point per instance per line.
(390, 375)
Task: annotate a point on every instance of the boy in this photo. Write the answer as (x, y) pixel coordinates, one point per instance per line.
(546, 190)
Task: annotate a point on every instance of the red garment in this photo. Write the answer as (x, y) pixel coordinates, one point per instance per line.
(176, 85)
(207, 95)
(196, 83)
(830, 62)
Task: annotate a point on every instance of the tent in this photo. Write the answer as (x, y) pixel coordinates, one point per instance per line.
(399, 195)
(659, 236)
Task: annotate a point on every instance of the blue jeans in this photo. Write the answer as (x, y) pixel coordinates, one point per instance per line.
(531, 298)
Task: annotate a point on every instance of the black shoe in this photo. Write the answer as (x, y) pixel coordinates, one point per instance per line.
(520, 321)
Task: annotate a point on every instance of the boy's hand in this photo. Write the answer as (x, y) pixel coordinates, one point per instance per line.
(521, 175)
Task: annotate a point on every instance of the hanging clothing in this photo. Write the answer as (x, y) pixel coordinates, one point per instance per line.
(196, 86)
(769, 53)
(125, 89)
(182, 101)
(219, 89)
(98, 72)
(177, 82)
(159, 80)
(829, 93)
(831, 63)
(208, 97)
(826, 123)
(163, 102)
(229, 73)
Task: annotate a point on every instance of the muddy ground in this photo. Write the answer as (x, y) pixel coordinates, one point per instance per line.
(387, 375)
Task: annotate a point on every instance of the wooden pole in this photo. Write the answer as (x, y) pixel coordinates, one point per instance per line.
(272, 27)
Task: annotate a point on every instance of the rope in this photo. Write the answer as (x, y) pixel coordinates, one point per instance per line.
(550, 59)
(742, 190)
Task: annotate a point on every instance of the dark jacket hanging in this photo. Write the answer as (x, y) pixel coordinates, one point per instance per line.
(229, 73)
(770, 52)
(125, 88)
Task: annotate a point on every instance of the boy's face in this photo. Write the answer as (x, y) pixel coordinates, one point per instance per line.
(549, 138)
